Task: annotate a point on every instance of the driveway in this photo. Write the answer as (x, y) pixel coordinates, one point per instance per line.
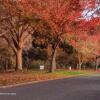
(80, 88)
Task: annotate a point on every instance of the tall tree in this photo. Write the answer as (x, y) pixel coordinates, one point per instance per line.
(56, 13)
(16, 27)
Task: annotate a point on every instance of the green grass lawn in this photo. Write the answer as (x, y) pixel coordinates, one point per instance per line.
(63, 72)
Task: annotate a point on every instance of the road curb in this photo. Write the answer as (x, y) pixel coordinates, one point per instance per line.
(33, 82)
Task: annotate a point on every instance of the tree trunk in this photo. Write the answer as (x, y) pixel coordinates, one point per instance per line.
(19, 59)
(80, 66)
(80, 63)
(96, 67)
(77, 67)
(53, 62)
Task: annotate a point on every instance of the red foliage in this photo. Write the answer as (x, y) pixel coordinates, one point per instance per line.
(65, 17)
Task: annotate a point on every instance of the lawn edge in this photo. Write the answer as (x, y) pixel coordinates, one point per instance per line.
(34, 82)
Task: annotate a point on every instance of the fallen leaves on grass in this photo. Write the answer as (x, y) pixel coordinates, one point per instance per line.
(15, 78)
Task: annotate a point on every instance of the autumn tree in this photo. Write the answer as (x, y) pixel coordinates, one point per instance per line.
(86, 41)
(15, 26)
(56, 14)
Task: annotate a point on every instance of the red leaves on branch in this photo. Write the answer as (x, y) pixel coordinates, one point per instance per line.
(65, 16)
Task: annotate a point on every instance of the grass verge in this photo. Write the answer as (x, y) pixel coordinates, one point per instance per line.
(33, 76)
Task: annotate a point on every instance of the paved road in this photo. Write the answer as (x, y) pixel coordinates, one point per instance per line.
(82, 88)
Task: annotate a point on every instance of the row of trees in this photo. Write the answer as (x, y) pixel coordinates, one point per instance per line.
(49, 23)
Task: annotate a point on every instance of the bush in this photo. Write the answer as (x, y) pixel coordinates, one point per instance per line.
(35, 64)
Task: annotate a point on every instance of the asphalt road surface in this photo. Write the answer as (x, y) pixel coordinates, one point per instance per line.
(80, 88)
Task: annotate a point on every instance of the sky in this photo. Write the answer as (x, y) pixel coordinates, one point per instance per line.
(90, 13)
